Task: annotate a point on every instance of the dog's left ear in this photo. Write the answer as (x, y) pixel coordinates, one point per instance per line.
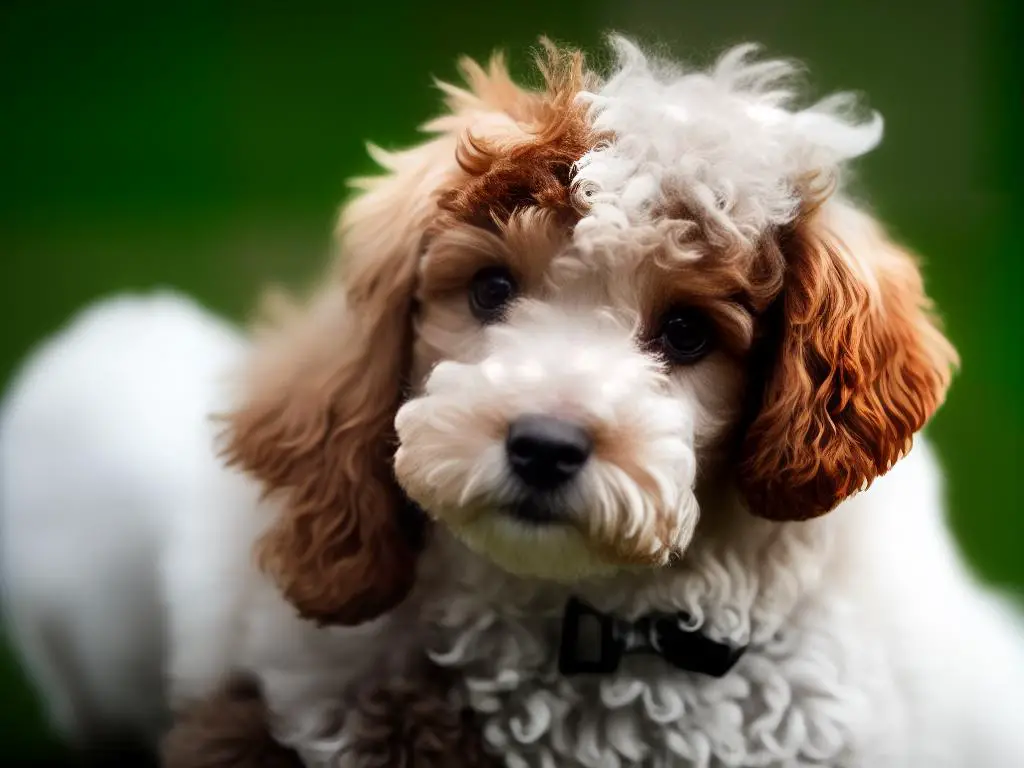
(857, 364)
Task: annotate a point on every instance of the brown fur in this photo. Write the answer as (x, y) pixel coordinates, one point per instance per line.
(504, 178)
(859, 364)
(316, 425)
(227, 730)
(411, 723)
(733, 290)
(525, 244)
(317, 422)
(405, 723)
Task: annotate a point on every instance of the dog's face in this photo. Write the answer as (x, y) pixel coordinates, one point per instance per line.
(571, 311)
(566, 396)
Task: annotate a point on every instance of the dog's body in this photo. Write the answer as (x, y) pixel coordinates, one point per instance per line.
(871, 645)
(720, 347)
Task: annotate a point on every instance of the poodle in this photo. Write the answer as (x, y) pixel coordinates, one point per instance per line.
(605, 416)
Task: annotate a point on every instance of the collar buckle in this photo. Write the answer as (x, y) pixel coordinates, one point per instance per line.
(594, 643)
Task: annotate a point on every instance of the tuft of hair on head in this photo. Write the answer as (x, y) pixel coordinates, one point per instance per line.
(729, 144)
(316, 420)
(532, 166)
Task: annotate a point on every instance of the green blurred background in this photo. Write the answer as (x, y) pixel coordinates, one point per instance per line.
(204, 146)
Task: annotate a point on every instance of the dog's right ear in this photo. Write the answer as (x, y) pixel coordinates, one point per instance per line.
(316, 424)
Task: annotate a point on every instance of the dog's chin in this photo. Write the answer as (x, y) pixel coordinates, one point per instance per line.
(552, 551)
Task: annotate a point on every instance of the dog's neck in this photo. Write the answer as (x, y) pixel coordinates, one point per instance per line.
(739, 582)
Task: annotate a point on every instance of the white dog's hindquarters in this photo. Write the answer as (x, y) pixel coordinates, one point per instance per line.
(105, 451)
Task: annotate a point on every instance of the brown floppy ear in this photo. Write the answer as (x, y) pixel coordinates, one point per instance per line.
(316, 424)
(858, 365)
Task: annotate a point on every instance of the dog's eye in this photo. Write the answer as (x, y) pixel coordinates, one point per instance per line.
(686, 335)
(489, 293)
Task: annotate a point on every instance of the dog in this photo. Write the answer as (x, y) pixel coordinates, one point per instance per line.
(606, 413)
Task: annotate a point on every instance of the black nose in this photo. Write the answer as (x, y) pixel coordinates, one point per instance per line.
(546, 452)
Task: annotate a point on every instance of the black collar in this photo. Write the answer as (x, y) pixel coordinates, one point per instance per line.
(595, 642)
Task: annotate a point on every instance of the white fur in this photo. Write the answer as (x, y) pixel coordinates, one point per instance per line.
(108, 482)
(728, 143)
(872, 644)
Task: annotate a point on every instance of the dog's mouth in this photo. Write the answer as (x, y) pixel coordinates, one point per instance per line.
(544, 536)
(536, 510)
(535, 537)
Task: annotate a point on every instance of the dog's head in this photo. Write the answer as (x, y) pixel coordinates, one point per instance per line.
(570, 310)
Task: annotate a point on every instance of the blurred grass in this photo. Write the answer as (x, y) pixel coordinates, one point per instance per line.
(204, 146)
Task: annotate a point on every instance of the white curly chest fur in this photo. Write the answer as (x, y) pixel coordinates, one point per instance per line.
(801, 695)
